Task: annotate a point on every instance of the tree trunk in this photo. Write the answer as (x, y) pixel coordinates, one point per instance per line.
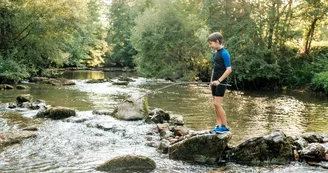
(308, 38)
(271, 24)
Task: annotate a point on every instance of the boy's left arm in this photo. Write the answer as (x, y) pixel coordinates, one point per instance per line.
(226, 74)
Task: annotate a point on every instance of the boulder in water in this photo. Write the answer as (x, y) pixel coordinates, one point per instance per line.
(22, 87)
(274, 148)
(134, 108)
(300, 143)
(312, 137)
(122, 78)
(6, 87)
(164, 146)
(12, 106)
(128, 163)
(56, 113)
(176, 120)
(23, 98)
(96, 81)
(120, 82)
(206, 148)
(157, 115)
(52, 81)
(180, 131)
(313, 152)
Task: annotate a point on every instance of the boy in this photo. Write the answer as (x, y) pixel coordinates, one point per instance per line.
(222, 69)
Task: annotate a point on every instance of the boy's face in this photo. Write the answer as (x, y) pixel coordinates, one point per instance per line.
(214, 44)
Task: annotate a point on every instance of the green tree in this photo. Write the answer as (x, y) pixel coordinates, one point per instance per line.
(167, 39)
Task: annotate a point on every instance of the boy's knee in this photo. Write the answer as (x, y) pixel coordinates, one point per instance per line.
(216, 105)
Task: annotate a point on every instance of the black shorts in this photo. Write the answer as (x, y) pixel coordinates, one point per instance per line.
(219, 90)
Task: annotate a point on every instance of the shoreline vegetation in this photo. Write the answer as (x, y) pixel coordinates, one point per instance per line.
(274, 45)
(55, 74)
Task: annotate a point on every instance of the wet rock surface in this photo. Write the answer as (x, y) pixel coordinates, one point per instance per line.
(56, 113)
(128, 163)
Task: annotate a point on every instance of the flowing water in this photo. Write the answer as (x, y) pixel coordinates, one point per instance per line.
(62, 146)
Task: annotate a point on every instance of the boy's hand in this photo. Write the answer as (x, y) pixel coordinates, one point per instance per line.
(216, 83)
(210, 86)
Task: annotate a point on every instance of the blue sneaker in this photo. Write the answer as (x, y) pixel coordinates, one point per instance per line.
(222, 129)
(215, 129)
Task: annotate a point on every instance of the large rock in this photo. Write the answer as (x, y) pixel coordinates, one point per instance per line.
(128, 163)
(6, 87)
(23, 98)
(313, 152)
(14, 137)
(312, 137)
(158, 115)
(134, 108)
(206, 148)
(176, 120)
(122, 78)
(96, 81)
(164, 146)
(52, 81)
(120, 82)
(180, 131)
(274, 148)
(164, 130)
(300, 143)
(38, 79)
(56, 113)
(22, 87)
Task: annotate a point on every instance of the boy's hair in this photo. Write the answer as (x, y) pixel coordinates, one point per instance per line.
(215, 36)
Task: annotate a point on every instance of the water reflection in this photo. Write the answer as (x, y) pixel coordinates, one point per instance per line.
(83, 75)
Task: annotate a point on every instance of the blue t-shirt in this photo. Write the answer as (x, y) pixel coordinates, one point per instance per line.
(225, 55)
(221, 60)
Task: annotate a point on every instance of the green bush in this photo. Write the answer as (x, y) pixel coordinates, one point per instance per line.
(11, 71)
(320, 82)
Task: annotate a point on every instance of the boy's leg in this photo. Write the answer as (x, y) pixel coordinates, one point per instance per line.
(220, 111)
(217, 113)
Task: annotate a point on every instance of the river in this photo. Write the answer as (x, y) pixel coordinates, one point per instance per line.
(76, 147)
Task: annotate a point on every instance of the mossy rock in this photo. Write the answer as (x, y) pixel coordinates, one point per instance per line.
(120, 83)
(96, 81)
(6, 87)
(52, 81)
(22, 87)
(128, 163)
(122, 78)
(205, 149)
(56, 113)
(24, 98)
(275, 148)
